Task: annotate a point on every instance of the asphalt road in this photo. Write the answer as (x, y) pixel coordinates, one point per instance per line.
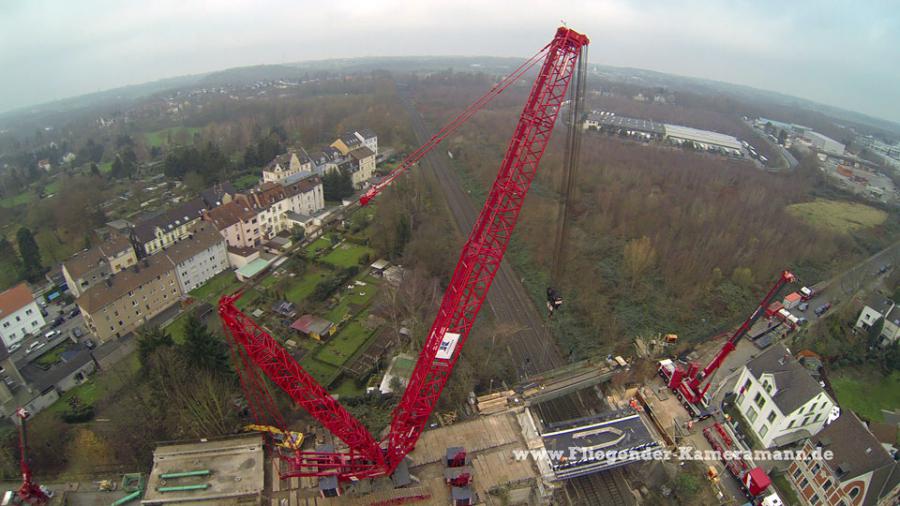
(533, 347)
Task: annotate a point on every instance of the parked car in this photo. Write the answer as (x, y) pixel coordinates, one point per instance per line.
(14, 346)
(89, 343)
(803, 306)
(34, 346)
(823, 309)
(73, 313)
(51, 334)
(57, 322)
(76, 332)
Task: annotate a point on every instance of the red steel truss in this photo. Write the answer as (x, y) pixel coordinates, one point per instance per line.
(478, 264)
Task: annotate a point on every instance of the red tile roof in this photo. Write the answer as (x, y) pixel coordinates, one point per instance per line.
(15, 299)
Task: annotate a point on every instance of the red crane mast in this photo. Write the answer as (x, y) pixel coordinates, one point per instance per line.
(29, 492)
(478, 264)
(688, 384)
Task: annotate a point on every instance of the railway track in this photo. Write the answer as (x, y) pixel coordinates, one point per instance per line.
(535, 350)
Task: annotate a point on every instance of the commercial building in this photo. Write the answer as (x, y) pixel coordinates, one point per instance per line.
(90, 267)
(128, 299)
(823, 143)
(611, 123)
(779, 399)
(20, 315)
(159, 232)
(860, 472)
(704, 139)
(198, 257)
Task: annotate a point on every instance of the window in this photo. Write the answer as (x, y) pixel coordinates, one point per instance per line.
(814, 499)
(751, 414)
(6, 325)
(815, 468)
(796, 473)
(827, 484)
(806, 420)
(818, 417)
(853, 492)
(771, 417)
(763, 430)
(791, 424)
(759, 400)
(767, 386)
(18, 318)
(29, 311)
(803, 483)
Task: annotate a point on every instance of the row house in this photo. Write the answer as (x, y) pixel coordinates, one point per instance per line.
(160, 232)
(781, 402)
(293, 162)
(92, 266)
(257, 216)
(860, 471)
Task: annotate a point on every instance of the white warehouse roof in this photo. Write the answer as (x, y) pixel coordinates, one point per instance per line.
(704, 136)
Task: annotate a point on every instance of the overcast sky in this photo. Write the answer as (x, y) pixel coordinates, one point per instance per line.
(845, 54)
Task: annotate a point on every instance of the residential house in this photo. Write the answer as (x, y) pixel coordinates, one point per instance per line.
(781, 402)
(860, 473)
(20, 315)
(877, 307)
(347, 143)
(257, 216)
(314, 327)
(130, 298)
(90, 267)
(157, 233)
(362, 166)
(326, 160)
(199, 257)
(237, 221)
(218, 194)
(368, 138)
(287, 164)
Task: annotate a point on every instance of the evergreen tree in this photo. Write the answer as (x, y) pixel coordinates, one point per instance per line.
(10, 266)
(31, 255)
(151, 338)
(337, 185)
(202, 348)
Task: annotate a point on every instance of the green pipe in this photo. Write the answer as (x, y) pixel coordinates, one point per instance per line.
(128, 498)
(168, 476)
(181, 488)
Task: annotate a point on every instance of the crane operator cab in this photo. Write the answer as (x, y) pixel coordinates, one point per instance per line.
(554, 301)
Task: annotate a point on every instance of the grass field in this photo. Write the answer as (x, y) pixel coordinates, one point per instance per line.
(224, 282)
(342, 345)
(322, 372)
(359, 296)
(299, 288)
(160, 137)
(346, 255)
(52, 356)
(17, 200)
(867, 394)
(54, 186)
(101, 385)
(318, 245)
(837, 216)
(347, 388)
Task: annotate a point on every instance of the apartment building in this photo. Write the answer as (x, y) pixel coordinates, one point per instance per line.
(199, 257)
(20, 315)
(128, 299)
(92, 266)
(361, 166)
(356, 139)
(238, 222)
(878, 307)
(781, 402)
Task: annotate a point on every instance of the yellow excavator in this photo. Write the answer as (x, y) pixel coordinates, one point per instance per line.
(285, 439)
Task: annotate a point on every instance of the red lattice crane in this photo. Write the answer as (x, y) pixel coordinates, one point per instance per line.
(29, 492)
(478, 264)
(688, 384)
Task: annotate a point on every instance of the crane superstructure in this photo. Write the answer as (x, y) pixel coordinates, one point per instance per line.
(688, 384)
(478, 263)
(29, 492)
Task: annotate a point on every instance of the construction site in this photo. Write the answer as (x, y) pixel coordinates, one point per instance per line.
(591, 432)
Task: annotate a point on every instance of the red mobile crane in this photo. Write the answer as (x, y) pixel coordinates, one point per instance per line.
(688, 384)
(30, 492)
(478, 264)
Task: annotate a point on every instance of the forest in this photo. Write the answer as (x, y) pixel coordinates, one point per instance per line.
(663, 240)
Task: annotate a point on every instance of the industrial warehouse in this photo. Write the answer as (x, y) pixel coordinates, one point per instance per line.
(643, 129)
